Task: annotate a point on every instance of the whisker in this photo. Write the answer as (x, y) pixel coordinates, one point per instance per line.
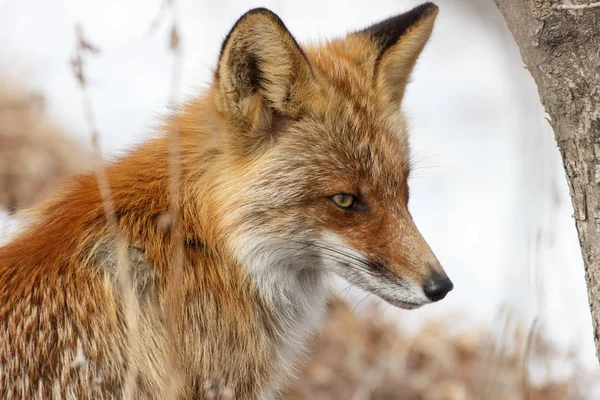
(347, 290)
(346, 257)
(358, 304)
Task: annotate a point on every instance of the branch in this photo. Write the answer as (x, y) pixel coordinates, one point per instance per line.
(576, 6)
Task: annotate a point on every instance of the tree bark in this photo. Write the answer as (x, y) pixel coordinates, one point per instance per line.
(561, 49)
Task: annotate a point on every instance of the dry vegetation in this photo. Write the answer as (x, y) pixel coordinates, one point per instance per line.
(367, 357)
(35, 155)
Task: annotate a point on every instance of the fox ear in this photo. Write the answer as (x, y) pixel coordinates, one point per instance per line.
(399, 41)
(262, 72)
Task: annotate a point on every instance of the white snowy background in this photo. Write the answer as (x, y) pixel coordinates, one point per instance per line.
(488, 192)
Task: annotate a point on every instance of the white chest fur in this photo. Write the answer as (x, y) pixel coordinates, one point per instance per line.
(300, 309)
(295, 286)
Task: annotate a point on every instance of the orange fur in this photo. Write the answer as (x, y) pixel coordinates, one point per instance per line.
(280, 130)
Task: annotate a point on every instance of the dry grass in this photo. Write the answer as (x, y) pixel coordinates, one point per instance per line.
(35, 155)
(367, 357)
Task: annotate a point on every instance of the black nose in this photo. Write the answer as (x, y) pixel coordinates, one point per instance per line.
(438, 287)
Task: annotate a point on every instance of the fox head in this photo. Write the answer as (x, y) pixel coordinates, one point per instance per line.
(317, 155)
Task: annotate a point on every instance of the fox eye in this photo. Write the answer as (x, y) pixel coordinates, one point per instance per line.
(345, 201)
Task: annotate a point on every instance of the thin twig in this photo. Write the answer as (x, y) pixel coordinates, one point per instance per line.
(158, 18)
(130, 304)
(576, 6)
(176, 228)
(527, 355)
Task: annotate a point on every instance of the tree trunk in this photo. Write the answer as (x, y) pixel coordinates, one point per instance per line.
(561, 49)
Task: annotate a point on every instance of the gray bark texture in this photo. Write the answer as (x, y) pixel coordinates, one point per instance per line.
(561, 49)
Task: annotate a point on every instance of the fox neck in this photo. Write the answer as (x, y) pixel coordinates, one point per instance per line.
(282, 276)
(294, 284)
(286, 276)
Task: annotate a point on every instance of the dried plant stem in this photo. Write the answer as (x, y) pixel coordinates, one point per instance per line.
(494, 360)
(576, 6)
(130, 303)
(176, 228)
(527, 354)
(538, 280)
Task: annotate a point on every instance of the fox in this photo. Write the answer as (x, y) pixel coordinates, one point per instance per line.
(293, 168)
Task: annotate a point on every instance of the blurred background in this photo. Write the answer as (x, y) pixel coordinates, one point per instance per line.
(488, 189)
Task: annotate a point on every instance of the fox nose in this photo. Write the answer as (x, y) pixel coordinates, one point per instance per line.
(438, 287)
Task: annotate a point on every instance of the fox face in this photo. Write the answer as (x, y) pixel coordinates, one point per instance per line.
(318, 156)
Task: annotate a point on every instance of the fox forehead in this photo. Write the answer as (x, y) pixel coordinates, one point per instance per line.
(333, 156)
(353, 136)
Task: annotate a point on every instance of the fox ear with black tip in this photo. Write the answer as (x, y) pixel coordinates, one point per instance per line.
(398, 43)
(262, 74)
